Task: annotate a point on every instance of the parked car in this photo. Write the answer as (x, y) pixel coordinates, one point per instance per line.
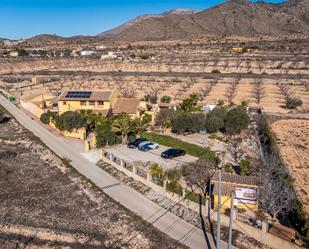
(143, 143)
(135, 143)
(149, 146)
(172, 152)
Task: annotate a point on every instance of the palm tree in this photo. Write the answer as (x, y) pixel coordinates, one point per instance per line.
(125, 125)
(142, 123)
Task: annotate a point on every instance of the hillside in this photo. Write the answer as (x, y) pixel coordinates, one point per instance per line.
(236, 17)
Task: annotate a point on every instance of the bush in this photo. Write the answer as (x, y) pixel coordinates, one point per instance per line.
(153, 99)
(228, 168)
(105, 135)
(166, 99)
(245, 166)
(292, 103)
(214, 124)
(236, 120)
(187, 122)
(181, 122)
(45, 117)
(215, 119)
(195, 197)
(191, 149)
(70, 120)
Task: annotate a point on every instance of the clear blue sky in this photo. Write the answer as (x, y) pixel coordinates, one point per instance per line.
(26, 18)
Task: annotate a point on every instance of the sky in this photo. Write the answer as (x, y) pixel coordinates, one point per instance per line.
(26, 18)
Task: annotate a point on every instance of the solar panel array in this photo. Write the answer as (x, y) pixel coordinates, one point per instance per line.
(78, 94)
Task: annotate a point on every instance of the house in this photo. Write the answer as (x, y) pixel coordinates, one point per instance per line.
(130, 106)
(14, 54)
(237, 49)
(109, 55)
(97, 101)
(87, 52)
(245, 187)
(207, 107)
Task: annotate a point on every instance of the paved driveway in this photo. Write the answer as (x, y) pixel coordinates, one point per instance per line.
(131, 155)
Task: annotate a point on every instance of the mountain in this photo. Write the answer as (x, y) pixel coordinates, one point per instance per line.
(45, 39)
(137, 20)
(236, 17)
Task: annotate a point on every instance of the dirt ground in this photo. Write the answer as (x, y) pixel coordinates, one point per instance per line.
(44, 203)
(293, 142)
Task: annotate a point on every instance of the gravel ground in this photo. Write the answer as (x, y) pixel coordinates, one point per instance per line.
(44, 203)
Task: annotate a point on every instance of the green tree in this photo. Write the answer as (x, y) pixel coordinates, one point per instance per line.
(215, 119)
(141, 123)
(166, 99)
(164, 118)
(173, 176)
(104, 134)
(70, 120)
(157, 172)
(45, 117)
(124, 125)
(236, 120)
(181, 122)
(245, 166)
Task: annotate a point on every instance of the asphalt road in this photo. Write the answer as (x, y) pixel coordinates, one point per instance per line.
(128, 197)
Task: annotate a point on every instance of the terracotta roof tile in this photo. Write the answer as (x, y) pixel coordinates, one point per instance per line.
(126, 105)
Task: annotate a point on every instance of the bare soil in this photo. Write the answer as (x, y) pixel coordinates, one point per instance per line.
(293, 142)
(44, 203)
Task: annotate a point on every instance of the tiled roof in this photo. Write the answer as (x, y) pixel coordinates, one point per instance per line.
(126, 105)
(95, 96)
(245, 180)
(230, 182)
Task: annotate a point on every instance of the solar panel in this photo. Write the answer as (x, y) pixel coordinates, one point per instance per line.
(78, 94)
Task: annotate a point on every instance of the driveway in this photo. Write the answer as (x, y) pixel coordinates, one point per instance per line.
(133, 155)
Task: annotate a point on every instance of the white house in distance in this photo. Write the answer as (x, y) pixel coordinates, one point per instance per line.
(109, 55)
(87, 52)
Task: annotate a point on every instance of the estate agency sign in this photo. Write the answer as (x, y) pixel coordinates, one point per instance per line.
(245, 195)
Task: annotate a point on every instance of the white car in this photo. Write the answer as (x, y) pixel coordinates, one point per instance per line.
(143, 143)
(149, 146)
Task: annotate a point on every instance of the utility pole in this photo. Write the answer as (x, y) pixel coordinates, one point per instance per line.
(218, 214)
(231, 221)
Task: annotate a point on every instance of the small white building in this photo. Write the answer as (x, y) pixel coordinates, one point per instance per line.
(208, 107)
(14, 54)
(109, 55)
(87, 52)
(100, 47)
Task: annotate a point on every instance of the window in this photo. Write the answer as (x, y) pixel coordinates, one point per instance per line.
(83, 103)
(92, 103)
(100, 102)
(64, 103)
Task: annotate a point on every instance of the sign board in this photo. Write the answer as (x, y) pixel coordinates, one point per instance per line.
(245, 195)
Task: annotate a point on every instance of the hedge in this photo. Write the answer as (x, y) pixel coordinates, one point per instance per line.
(191, 149)
(195, 197)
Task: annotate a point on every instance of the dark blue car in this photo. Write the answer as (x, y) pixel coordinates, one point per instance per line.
(172, 152)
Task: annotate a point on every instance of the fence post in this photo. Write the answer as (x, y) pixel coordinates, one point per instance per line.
(149, 177)
(265, 226)
(165, 185)
(102, 153)
(134, 169)
(87, 146)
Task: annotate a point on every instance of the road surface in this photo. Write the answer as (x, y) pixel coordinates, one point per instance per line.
(169, 223)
